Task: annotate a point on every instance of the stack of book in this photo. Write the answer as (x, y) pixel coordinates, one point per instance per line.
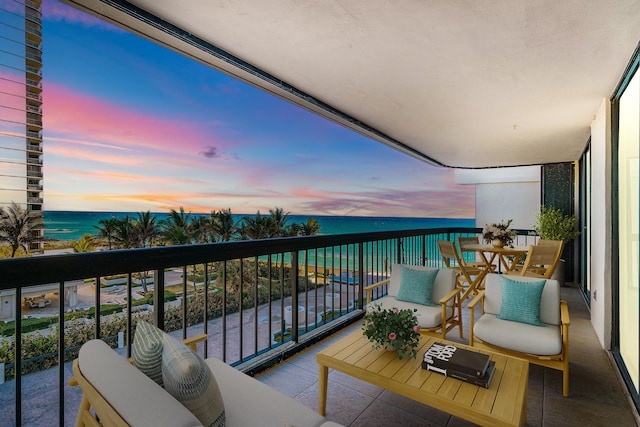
(455, 362)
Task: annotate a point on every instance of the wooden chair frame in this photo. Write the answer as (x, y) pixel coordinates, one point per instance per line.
(462, 242)
(94, 410)
(542, 259)
(463, 273)
(559, 361)
(446, 324)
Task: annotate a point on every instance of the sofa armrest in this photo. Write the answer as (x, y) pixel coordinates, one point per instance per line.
(564, 313)
(448, 297)
(193, 341)
(475, 300)
(368, 289)
(472, 305)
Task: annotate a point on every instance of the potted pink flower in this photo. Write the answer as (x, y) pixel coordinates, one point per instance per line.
(393, 329)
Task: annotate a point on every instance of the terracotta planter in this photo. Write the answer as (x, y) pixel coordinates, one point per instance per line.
(497, 243)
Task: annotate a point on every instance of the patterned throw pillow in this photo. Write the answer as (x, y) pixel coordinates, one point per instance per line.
(416, 285)
(521, 301)
(188, 378)
(147, 350)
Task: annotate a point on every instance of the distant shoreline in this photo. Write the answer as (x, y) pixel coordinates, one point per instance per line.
(72, 225)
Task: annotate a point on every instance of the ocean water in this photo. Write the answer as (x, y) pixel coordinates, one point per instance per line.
(71, 225)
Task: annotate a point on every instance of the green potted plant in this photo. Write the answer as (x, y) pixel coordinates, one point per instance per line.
(553, 224)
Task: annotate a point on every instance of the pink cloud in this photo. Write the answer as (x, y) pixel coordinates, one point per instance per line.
(73, 115)
(55, 11)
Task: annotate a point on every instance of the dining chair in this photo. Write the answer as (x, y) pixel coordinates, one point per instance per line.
(541, 260)
(472, 240)
(469, 278)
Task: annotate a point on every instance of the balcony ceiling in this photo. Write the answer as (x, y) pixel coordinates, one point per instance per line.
(460, 83)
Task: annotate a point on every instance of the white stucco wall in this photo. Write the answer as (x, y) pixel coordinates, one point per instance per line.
(504, 193)
(601, 224)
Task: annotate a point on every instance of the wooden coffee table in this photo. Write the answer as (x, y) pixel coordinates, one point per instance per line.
(504, 403)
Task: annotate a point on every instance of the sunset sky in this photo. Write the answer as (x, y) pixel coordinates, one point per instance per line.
(131, 126)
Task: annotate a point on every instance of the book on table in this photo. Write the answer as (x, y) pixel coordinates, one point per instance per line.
(449, 357)
(484, 381)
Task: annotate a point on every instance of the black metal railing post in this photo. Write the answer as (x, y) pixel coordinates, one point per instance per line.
(294, 297)
(61, 381)
(18, 356)
(360, 275)
(158, 298)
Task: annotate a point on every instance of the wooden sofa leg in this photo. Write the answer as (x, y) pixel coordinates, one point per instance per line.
(565, 382)
(84, 407)
(460, 318)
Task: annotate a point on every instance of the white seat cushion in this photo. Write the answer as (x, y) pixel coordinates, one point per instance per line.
(249, 402)
(522, 337)
(428, 316)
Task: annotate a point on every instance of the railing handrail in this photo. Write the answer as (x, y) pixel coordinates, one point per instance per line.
(37, 270)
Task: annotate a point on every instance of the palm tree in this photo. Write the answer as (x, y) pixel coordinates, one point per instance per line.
(279, 225)
(176, 227)
(146, 229)
(108, 229)
(17, 226)
(85, 244)
(200, 230)
(258, 227)
(125, 235)
(223, 225)
(310, 228)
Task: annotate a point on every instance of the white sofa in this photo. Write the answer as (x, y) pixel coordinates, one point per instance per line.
(114, 383)
(438, 319)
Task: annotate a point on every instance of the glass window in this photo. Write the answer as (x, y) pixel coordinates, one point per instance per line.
(628, 223)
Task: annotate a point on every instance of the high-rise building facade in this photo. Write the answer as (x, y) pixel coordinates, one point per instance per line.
(21, 178)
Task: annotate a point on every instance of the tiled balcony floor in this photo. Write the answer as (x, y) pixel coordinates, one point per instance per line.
(597, 398)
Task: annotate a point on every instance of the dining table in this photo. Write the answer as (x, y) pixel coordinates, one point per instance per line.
(508, 256)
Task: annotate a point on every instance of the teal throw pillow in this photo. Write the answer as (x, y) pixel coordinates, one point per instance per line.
(416, 285)
(521, 301)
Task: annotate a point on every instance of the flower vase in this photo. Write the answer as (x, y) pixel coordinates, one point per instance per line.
(387, 346)
(497, 243)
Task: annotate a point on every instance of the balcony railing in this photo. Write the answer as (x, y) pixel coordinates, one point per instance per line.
(33, 44)
(33, 29)
(34, 16)
(34, 83)
(34, 57)
(34, 109)
(34, 70)
(34, 135)
(33, 173)
(263, 299)
(35, 96)
(35, 147)
(32, 4)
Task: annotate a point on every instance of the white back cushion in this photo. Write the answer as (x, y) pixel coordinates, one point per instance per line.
(549, 302)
